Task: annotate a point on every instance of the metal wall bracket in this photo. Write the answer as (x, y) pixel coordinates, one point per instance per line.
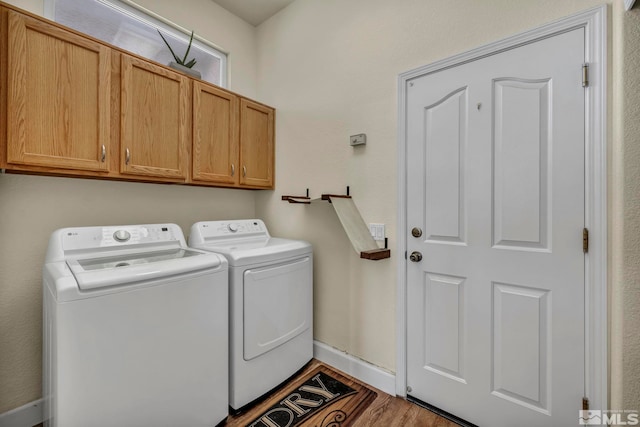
(352, 222)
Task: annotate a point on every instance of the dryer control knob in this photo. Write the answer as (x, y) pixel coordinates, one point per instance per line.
(121, 235)
(233, 227)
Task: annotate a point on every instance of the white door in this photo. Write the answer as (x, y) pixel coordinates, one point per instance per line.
(495, 308)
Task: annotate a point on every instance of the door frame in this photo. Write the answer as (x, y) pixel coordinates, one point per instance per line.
(594, 22)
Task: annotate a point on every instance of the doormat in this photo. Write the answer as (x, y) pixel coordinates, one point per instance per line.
(322, 398)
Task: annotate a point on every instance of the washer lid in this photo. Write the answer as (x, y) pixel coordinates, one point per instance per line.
(245, 252)
(101, 271)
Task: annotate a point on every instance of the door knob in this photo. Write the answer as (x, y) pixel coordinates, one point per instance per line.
(415, 256)
(416, 232)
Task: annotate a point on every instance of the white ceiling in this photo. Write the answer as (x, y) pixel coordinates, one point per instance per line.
(254, 12)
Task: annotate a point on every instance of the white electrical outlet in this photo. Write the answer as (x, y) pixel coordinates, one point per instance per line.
(377, 231)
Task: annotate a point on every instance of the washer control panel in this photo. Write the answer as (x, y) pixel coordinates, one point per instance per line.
(99, 237)
(240, 228)
(121, 235)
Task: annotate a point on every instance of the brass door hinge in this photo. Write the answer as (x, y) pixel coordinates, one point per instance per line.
(585, 240)
(585, 404)
(585, 75)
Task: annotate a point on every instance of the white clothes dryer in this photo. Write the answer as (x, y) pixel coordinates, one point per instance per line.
(135, 329)
(270, 307)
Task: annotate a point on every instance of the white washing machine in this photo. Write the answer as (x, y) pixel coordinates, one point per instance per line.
(135, 329)
(270, 307)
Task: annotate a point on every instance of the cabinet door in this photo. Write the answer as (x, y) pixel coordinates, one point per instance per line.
(215, 135)
(58, 97)
(256, 144)
(154, 104)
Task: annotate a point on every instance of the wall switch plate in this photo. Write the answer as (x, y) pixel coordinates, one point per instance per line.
(377, 231)
(359, 139)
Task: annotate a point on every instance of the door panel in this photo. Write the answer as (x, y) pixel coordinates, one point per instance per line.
(154, 120)
(58, 97)
(444, 325)
(215, 134)
(495, 164)
(256, 144)
(521, 163)
(445, 141)
(520, 363)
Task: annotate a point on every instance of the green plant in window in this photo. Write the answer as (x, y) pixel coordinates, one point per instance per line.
(181, 61)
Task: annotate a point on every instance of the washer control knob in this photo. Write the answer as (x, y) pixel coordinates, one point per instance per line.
(122, 235)
(233, 227)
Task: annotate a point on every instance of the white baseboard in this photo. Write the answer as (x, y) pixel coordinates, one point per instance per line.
(357, 368)
(25, 416)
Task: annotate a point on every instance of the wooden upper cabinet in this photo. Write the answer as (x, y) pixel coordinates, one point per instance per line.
(256, 144)
(215, 135)
(71, 105)
(58, 97)
(153, 120)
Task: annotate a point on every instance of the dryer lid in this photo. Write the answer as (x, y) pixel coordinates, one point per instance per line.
(246, 252)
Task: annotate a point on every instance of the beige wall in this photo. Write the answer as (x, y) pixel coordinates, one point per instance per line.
(330, 68)
(31, 207)
(624, 211)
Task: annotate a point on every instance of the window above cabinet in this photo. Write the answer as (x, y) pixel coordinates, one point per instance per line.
(124, 24)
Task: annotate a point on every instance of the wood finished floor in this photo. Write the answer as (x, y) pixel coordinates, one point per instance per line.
(384, 411)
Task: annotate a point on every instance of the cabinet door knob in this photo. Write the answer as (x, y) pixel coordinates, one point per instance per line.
(233, 169)
(103, 155)
(127, 156)
(244, 170)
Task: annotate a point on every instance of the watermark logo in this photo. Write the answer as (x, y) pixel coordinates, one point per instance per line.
(590, 418)
(597, 417)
